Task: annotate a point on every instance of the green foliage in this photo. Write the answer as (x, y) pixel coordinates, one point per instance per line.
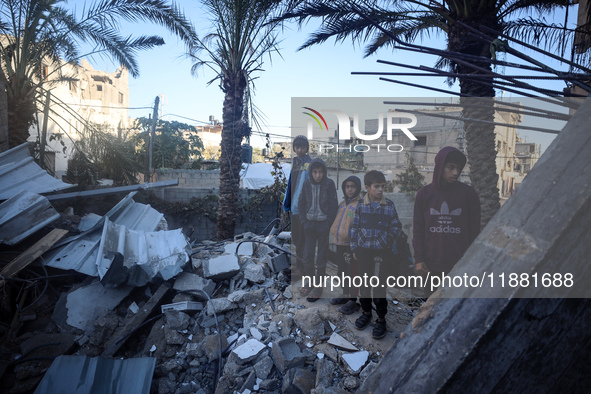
(41, 38)
(176, 144)
(81, 170)
(411, 180)
(112, 156)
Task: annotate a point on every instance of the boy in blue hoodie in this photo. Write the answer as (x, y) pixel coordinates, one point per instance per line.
(297, 177)
(317, 206)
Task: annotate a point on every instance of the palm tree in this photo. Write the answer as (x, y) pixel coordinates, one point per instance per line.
(234, 50)
(35, 35)
(388, 23)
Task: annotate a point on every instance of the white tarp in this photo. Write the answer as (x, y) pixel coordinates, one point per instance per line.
(258, 175)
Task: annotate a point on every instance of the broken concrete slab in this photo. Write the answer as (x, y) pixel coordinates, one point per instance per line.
(249, 351)
(245, 248)
(222, 267)
(369, 368)
(287, 354)
(85, 305)
(195, 284)
(220, 305)
(237, 296)
(324, 371)
(354, 362)
(341, 343)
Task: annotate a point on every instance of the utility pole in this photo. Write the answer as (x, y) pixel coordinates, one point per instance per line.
(44, 131)
(152, 137)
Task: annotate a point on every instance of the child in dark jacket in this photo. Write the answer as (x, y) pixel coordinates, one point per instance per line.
(317, 207)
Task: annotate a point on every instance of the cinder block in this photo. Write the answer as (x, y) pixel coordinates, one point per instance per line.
(287, 354)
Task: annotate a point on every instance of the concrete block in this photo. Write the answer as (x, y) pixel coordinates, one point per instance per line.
(222, 267)
(254, 273)
(298, 381)
(279, 263)
(287, 354)
(187, 281)
(248, 351)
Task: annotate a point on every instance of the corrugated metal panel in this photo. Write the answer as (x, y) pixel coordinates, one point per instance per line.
(24, 214)
(19, 172)
(97, 375)
(144, 254)
(80, 253)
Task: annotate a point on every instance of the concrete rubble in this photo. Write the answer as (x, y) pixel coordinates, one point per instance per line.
(272, 340)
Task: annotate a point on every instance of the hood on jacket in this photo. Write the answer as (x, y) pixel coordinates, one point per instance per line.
(315, 163)
(448, 153)
(357, 181)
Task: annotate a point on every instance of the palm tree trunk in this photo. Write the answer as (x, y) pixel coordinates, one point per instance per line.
(231, 158)
(480, 137)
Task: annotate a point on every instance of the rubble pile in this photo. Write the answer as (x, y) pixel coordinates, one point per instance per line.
(228, 323)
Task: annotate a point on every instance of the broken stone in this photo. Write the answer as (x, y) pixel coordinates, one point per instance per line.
(249, 382)
(329, 351)
(177, 320)
(221, 305)
(298, 381)
(270, 384)
(287, 354)
(284, 324)
(245, 249)
(263, 368)
(222, 267)
(210, 322)
(254, 273)
(354, 362)
(324, 370)
(186, 281)
(134, 308)
(310, 322)
(287, 294)
(237, 296)
(256, 334)
(195, 349)
(341, 343)
(249, 351)
(351, 382)
(173, 337)
(369, 368)
(211, 346)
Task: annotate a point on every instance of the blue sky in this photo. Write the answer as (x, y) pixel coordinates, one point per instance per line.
(320, 71)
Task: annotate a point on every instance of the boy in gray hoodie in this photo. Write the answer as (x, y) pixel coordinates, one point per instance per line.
(317, 207)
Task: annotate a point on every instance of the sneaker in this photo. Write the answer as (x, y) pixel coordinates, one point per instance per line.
(362, 321)
(338, 300)
(349, 308)
(379, 330)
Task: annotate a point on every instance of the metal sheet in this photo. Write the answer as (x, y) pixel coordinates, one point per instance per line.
(19, 172)
(142, 255)
(97, 375)
(80, 253)
(24, 214)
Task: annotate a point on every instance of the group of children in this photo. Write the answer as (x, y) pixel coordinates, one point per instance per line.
(368, 233)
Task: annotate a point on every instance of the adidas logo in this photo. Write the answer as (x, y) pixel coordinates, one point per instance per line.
(445, 216)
